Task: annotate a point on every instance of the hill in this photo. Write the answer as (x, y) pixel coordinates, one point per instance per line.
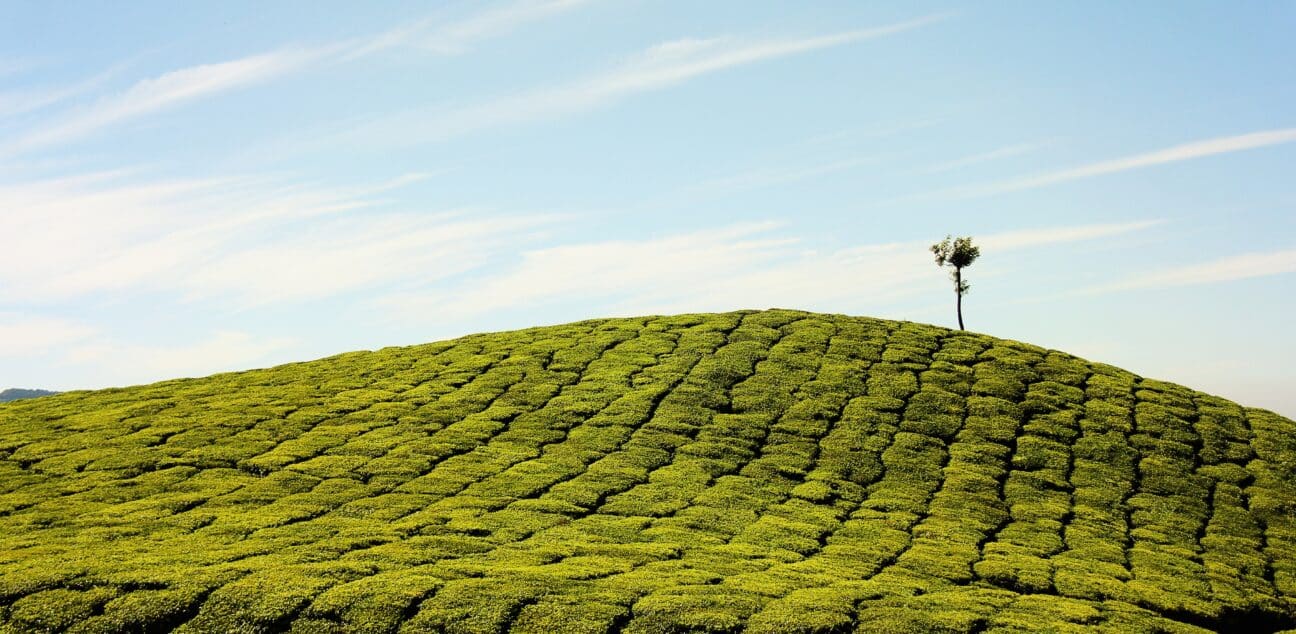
(15, 393)
(772, 471)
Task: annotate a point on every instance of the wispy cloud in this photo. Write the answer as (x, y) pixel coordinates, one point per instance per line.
(741, 265)
(1055, 235)
(434, 35)
(598, 270)
(97, 232)
(177, 87)
(765, 177)
(19, 102)
(853, 136)
(75, 237)
(22, 335)
(1184, 152)
(221, 351)
(1226, 269)
(14, 66)
(359, 253)
(810, 158)
(656, 68)
(984, 157)
(163, 92)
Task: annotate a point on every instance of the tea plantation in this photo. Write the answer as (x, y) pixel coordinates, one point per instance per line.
(759, 472)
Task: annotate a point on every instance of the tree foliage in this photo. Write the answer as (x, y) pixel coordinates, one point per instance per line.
(957, 253)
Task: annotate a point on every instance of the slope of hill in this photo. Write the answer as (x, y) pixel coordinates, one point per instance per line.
(15, 393)
(771, 471)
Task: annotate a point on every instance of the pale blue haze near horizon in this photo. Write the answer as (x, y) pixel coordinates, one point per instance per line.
(188, 188)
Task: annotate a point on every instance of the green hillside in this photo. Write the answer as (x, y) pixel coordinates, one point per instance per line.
(772, 471)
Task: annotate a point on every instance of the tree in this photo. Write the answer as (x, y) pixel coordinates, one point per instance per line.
(957, 253)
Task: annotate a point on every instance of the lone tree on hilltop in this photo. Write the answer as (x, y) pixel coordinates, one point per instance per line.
(958, 253)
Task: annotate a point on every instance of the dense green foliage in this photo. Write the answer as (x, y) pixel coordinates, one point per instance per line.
(958, 253)
(771, 471)
(15, 393)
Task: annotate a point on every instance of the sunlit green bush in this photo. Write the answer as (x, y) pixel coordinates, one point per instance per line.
(771, 471)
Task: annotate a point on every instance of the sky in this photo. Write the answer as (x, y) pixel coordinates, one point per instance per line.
(189, 188)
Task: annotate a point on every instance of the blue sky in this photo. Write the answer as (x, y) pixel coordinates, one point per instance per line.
(199, 187)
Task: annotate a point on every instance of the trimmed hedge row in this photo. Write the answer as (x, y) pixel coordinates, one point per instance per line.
(772, 471)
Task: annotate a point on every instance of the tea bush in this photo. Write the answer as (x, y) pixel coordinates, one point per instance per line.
(759, 471)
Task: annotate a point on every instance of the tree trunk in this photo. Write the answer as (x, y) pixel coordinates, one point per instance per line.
(958, 291)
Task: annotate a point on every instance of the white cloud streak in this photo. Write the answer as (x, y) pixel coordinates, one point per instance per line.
(455, 38)
(766, 177)
(742, 265)
(358, 254)
(1054, 235)
(24, 335)
(1184, 152)
(651, 267)
(16, 103)
(14, 66)
(221, 351)
(177, 87)
(162, 92)
(984, 157)
(77, 237)
(656, 68)
(1226, 269)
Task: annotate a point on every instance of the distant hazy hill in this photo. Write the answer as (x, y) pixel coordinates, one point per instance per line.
(14, 393)
(752, 472)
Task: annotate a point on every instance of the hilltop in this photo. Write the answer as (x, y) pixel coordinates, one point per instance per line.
(15, 393)
(772, 471)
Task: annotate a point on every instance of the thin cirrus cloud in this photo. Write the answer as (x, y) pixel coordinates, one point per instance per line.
(765, 177)
(87, 236)
(16, 103)
(455, 38)
(359, 253)
(1225, 269)
(220, 351)
(79, 235)
(177, 87)
(655, 68)
(600, 270)
(16, 66)
(1024, 238)
(740, 265)
(23, 335)
(1183, 152)
(984, 157)
(162, 92)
